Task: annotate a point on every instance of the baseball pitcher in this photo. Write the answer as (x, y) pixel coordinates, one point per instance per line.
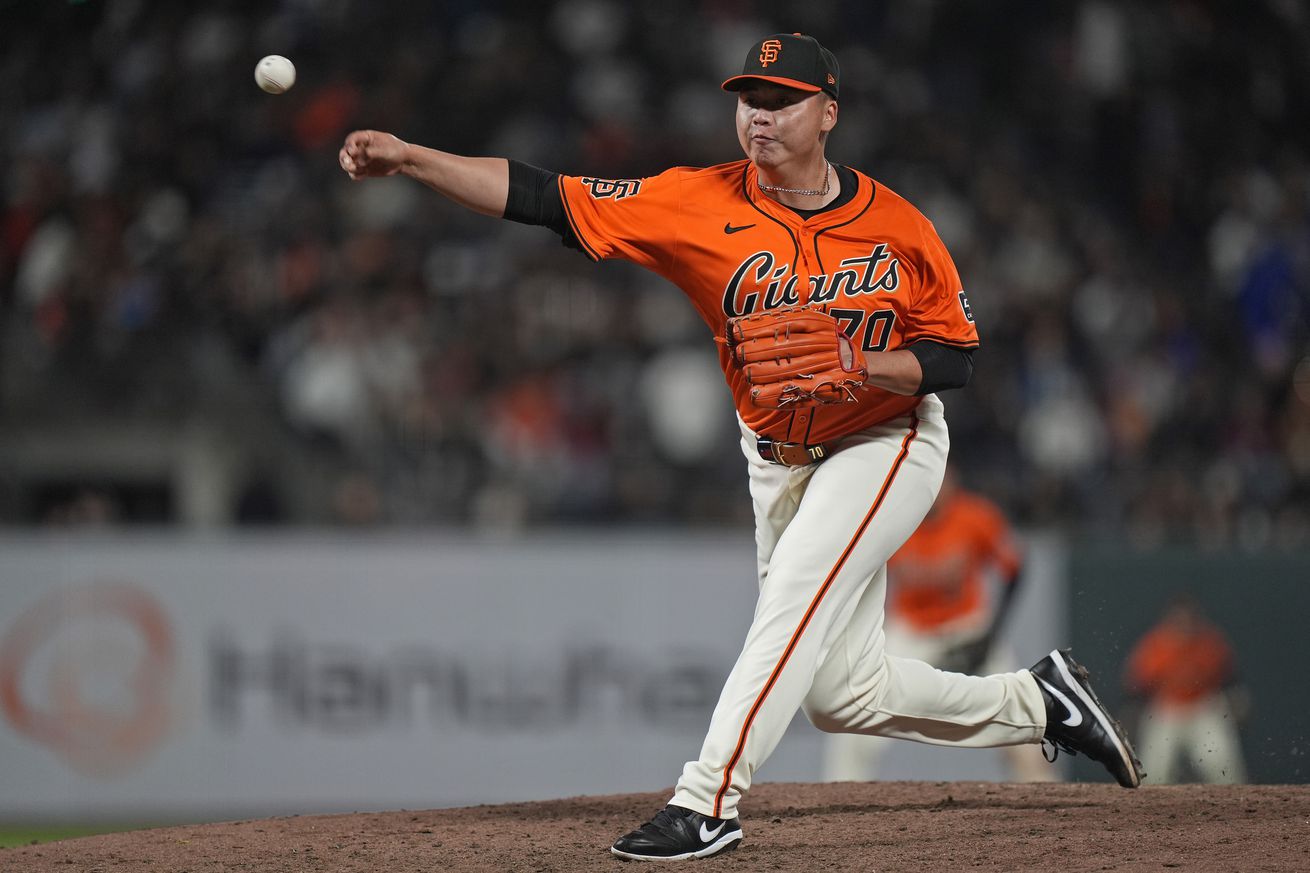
(838, 315)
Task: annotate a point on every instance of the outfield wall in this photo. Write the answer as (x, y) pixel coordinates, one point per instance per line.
(1259, 600)
(157, 677)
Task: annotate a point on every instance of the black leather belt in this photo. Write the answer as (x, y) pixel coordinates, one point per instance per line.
(791, 454)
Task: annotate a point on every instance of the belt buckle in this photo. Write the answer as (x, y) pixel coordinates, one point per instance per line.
(785, 453)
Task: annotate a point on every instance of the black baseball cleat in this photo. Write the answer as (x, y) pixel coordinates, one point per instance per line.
(1077, 723)
(677, 833)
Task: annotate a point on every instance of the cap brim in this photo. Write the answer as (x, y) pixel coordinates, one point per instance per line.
(736, 83)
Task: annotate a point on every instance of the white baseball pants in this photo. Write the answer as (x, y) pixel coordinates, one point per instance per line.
(849, 756)
(823, 535)
(1203, 733)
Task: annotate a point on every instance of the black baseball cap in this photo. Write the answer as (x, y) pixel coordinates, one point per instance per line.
(791, 59)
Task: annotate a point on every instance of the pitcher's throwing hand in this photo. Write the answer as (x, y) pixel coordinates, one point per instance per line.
(368, 153)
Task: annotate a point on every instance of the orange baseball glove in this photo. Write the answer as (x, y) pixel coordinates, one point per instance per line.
(795, 357)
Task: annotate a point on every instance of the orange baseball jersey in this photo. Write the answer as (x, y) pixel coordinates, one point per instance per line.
(875, 263)
(1175, 667)
(937, 576)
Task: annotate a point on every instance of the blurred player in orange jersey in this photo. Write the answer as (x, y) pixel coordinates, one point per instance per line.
(1183, 667)
(950, 587)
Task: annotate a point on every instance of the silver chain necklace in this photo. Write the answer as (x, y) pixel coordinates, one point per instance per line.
(808, 192)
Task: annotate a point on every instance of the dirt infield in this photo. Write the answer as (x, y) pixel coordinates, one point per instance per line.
(891, 826)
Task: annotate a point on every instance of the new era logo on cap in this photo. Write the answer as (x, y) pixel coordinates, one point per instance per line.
(791, 59)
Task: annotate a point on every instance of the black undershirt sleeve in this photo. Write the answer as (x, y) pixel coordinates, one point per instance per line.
(534, 199)
(943, 367)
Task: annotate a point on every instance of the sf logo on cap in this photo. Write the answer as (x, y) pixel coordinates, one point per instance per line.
(769, 51)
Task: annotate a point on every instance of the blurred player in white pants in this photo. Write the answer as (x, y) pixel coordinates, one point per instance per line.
(942, 610)
(1183, 667)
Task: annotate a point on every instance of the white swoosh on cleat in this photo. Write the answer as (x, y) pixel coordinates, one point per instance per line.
(1075, 717)
(706, 834)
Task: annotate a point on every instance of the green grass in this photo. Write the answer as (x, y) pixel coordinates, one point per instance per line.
(24, 835)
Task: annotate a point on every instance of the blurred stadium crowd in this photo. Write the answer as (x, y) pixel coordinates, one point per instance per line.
(1125, 188)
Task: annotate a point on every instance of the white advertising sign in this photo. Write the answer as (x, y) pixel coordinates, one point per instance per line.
(173, 678)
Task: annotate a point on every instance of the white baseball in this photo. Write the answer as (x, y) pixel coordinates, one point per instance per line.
(275, 74)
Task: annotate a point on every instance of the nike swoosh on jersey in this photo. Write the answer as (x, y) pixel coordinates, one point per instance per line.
(1075, 717)
(706, 834)
(728, 228)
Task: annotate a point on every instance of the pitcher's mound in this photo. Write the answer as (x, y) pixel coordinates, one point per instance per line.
(888, 826)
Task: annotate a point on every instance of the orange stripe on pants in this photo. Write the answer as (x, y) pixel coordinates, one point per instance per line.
(809, 614)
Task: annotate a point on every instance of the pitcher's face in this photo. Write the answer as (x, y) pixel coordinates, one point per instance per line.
(777, 124)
